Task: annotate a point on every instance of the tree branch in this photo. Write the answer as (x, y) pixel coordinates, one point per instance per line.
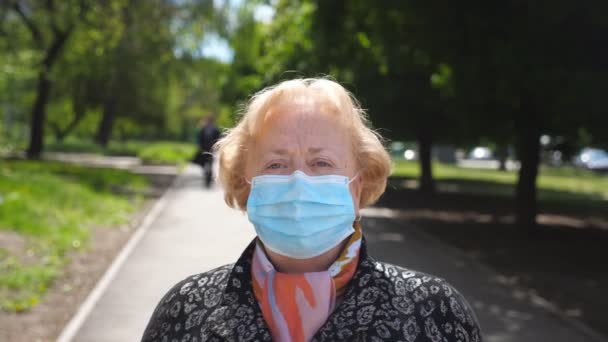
(3, 32)
(36, 35)
(50, 7)
(58, 43)
(83, 9)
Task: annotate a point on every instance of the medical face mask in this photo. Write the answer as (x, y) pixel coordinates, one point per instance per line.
(301, 216)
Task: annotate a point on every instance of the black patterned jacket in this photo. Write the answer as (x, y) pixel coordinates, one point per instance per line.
(382, 303)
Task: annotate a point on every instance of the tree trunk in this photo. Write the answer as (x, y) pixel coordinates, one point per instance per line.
(56, 131)
(38, 116)
(427, 184)
(104, 131)
(528, 133)
(502, 152)
(42, 95)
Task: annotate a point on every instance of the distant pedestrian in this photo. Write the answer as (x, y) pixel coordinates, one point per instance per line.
(207, 135)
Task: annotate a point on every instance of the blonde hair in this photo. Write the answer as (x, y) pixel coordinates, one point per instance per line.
(326, 95)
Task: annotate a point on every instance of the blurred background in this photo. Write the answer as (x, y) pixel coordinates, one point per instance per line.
(495, 116)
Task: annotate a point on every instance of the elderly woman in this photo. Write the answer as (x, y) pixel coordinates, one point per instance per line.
(302, 162)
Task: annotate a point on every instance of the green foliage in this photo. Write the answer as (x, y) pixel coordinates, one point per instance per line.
(137, 61)
(74, 145)
(193, 96)
(52, 207)
(244, 77)
(265, 53)
(287, 42)
(150, 152)
(167, 153)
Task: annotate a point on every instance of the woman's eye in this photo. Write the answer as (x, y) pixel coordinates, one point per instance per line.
(322, 163)
(274, 166)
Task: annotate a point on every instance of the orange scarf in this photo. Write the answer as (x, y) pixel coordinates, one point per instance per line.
(296, 305)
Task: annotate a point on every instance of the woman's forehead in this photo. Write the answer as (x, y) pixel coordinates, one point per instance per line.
(294, 120)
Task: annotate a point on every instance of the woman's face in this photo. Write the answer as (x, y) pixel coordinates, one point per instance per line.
(311, 141)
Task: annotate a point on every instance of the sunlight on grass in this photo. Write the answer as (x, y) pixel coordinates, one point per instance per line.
(569, 181)
(167, 153)
(158, 152)
(114, 148)
(53, 207)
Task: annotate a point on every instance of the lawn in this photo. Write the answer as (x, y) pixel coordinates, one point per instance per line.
(565, 183)
(474, 211)
(156, 152)
(167, 153)
(48, 209)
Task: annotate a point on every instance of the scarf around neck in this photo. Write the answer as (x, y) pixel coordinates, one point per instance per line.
(296, 305)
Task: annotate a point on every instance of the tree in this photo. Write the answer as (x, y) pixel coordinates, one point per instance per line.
(140, 66)
(516, 68)
(534, 64)
(50, 26)
(373, 45)
(113, 59)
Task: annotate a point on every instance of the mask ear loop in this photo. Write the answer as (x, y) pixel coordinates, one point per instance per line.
(358, 217)
(247, 180)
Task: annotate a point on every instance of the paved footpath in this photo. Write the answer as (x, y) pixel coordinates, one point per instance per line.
(195, 231)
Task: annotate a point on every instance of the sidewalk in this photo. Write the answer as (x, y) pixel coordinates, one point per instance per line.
(195, 231)
(505, 313)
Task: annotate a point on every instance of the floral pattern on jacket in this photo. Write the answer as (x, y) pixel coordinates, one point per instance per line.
(383, 302)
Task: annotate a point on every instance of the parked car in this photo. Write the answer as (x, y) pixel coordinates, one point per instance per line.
(403, 150)
(481, 153)
(592, 158)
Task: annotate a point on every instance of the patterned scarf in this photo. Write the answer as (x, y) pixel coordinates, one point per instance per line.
(296, 305)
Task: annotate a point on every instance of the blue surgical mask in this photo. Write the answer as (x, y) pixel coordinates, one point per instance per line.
(301, 216)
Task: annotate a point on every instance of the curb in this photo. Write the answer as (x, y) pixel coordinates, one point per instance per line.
(71, 329)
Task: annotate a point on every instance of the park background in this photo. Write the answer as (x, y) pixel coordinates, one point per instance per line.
(495, 115)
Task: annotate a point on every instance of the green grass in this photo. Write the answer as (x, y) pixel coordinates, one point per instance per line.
(553, 183)
(125, 148)
(52, 207)
(73, 145)
(114, 148)
(161, 152)
(167, 153)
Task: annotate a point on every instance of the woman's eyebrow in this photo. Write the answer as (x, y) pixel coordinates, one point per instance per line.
(311, 150)
(280, 151)
(315, 150)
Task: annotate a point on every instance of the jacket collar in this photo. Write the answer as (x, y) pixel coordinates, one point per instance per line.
(240, 308)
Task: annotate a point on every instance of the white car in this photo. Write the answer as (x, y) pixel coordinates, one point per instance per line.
(593, 159)
(481, 153)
